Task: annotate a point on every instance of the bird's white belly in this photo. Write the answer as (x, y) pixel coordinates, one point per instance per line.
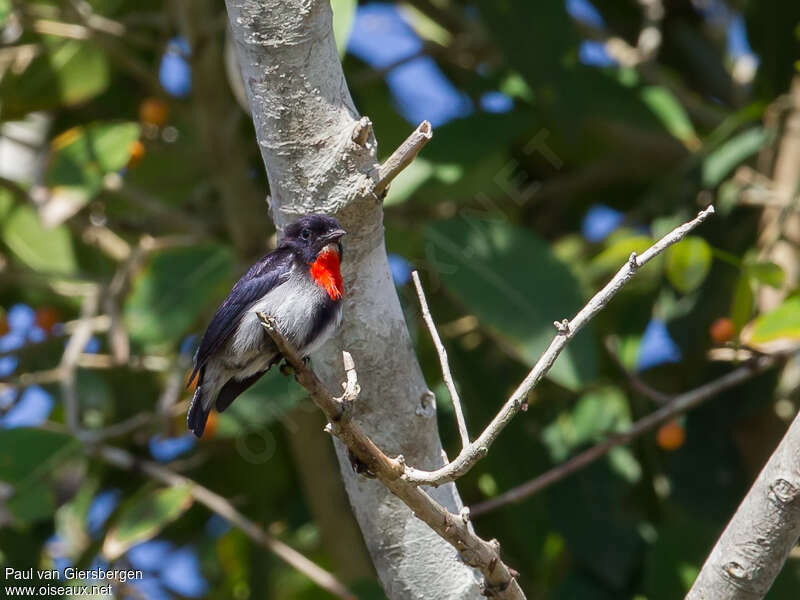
(292, 305)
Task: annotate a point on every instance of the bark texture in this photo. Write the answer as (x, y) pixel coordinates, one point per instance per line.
(305, 120)
(751, 551)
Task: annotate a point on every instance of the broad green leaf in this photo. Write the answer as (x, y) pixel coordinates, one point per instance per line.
(68, 72)
(175, 287)
(28, 460)
(5, 11)
(34, 501)
(81, 158)
(144, 517)
(515, 286)
(729, 155)
(671, 113)
(617, 252)
(343, 13)
(778, 324)
(742, 303)
(688, 263)
(82, 155)
(24, 452)
(41, 249)
(766, 272)
(596, 413)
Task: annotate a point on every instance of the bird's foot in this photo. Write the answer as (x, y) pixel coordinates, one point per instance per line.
(358, 466)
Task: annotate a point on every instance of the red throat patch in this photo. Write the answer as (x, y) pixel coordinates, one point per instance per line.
(325, 272)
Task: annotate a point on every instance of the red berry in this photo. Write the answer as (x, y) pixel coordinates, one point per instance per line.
(671, 436)
(47, 317)
(137, 154)
(722, 330)
(4, 328)
(153, 111)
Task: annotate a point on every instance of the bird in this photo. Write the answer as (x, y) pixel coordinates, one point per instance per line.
(300, 285)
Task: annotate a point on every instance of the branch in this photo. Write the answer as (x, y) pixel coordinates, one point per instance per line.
(566, 331)
(751, 551)
(678, 405)
(636, 382)
(442, 352)
(304, 120)
(500, 580)
(402, 157)
(216, 503)
(69, 360)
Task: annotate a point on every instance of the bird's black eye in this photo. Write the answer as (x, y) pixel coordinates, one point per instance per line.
(306, 233)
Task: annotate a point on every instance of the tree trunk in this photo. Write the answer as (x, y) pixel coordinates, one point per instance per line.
(751, 551)
(305, 119)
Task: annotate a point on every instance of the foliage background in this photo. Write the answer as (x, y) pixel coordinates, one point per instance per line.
(129, 173)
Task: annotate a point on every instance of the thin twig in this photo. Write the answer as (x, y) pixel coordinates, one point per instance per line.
(442, 352)
(678, 405)
(500, 580)
(69, 360)
(216, 503)
(402, 157)
(566, 331)
(636, 382)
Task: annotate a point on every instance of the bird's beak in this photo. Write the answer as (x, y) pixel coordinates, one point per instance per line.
(334, 235)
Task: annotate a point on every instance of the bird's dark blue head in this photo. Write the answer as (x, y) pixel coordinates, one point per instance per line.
(310, 234)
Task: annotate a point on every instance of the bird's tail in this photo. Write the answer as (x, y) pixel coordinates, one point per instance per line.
(198, 410)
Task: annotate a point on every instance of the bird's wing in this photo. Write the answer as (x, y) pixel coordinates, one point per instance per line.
(270, 272)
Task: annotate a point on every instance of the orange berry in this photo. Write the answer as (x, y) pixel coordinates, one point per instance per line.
(47, 317)
(671, 435)
(153, 111)
(211, 426)
(137, 154)
(722, 330)
(4, 328)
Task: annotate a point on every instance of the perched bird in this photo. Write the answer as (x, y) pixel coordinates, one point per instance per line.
(300, 285)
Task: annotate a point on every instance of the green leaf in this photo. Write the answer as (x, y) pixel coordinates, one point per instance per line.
(34, 501)
(742, 303)
(144, 517)
(595, 414)
(176, 286)
(688, 263)
(766, 272)
(617, 252)
(671, 113)
(343, 13)
(41, 249)
(729, 155)
(24, 452)
(82, 157)
(5, 11)
(28, 460)
(782, 323)
(514, 284)
(68, 72)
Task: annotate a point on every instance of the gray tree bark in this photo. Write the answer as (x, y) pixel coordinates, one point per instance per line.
(305, 120)
(751, 551)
